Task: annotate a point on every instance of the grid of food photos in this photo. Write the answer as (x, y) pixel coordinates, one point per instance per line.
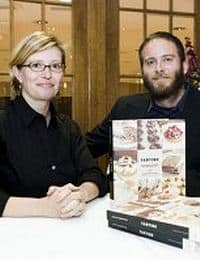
(148, 181)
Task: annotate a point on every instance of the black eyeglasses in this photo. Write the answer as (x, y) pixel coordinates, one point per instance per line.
(39, 67)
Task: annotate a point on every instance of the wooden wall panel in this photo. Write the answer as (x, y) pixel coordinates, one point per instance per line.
(112, 52)
(96, 60)
(80, 99)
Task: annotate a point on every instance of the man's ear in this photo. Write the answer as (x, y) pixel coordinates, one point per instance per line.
(16, 72)
(185, 66)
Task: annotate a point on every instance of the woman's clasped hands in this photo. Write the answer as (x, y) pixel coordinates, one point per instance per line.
(66, 201)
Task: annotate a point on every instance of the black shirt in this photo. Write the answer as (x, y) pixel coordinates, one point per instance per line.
(34, 156)
(156, 111)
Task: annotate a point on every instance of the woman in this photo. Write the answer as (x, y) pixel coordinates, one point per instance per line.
(45, 167)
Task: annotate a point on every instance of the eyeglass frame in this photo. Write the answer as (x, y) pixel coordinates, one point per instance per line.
(44, 66)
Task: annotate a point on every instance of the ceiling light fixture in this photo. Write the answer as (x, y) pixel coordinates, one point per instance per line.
(179, 28)
(39, 22)
(66, 1)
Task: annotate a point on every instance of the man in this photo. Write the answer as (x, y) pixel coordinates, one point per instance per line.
(163, 66)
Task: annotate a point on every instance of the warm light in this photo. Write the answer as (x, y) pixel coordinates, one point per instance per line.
(65, 85)
(66, 1)
(179, 28)
(39, 22)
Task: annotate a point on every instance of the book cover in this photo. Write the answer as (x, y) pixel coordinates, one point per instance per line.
(148, 178)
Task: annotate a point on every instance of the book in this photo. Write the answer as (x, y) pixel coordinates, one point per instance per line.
(147, 176)
(169, 239)
(148, 224)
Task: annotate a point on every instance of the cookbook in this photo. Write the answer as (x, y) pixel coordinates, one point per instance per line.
(147, 175)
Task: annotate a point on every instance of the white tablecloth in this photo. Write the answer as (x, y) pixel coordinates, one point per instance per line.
(87, 237)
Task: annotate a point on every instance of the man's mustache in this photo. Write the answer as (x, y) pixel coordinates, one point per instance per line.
(161, 77)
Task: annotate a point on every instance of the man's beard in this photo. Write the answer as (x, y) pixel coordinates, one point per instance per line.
(171, 90)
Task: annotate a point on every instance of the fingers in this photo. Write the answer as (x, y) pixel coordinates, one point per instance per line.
(70, 200)
(73, 209)
(61, 192)
(78, 195)
(65, 192)
(51, 190)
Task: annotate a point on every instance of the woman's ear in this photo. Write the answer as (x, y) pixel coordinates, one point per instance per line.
(16, 72)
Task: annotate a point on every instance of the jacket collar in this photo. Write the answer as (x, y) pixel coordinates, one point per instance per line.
(27, 113)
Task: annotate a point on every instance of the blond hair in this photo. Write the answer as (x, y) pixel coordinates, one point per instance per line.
(29, 45)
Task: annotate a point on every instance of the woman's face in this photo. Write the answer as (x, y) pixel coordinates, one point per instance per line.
(41, 85)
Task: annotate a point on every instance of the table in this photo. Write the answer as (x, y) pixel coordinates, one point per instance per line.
(86, 237)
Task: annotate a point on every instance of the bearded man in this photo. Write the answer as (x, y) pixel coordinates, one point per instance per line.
(163, 67)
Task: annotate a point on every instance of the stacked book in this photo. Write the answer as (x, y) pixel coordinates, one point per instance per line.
(147, 172)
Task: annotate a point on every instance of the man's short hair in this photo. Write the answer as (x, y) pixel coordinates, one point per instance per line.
(166, 36)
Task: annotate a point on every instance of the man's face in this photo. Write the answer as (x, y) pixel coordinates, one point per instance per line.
(163, 72)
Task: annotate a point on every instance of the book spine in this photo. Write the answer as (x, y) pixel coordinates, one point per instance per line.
(169, 239)
(148, 224)
(111, 173)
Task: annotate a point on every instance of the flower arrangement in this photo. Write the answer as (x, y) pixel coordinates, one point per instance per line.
(193, 74)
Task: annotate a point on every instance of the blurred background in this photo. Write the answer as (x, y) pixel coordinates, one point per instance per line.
(101, 38)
